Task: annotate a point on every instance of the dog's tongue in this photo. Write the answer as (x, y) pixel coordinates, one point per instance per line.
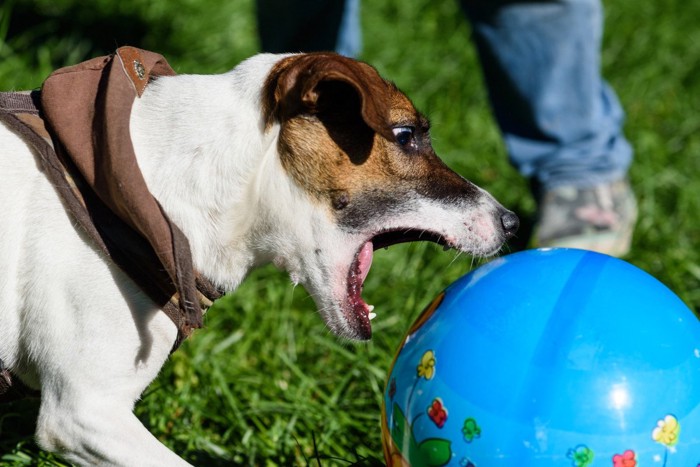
(364, 260)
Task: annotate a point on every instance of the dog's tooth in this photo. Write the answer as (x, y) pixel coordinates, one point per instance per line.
(370, 312)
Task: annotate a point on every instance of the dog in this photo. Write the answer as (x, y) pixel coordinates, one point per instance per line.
(307, 161)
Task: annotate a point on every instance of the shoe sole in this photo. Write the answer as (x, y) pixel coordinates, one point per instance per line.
(616, 244)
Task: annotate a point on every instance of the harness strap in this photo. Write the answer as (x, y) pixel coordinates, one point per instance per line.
(87, 109)
(20, 102)
(21, 113)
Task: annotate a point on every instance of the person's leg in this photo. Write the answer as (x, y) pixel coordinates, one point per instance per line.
(350, 33)
(309, 26)
(562, 124)
(299, 25)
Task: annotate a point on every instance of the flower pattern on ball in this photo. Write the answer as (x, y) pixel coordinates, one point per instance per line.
(437, 412)
(667, 431)
(626, 459)
(426, 367)
(470, 430)
(581, 456)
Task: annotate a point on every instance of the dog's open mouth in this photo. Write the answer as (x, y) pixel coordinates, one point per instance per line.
(359, 312)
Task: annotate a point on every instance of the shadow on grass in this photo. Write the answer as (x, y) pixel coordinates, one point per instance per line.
(85, 32)
(17, 423)
(205, 459)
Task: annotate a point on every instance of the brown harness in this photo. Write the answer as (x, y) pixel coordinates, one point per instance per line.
(101, 186)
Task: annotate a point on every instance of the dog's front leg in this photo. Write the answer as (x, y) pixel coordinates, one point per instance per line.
(89, 382)
(97, 429)
(89, 386)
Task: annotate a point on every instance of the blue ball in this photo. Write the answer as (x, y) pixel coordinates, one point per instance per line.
(551, 357)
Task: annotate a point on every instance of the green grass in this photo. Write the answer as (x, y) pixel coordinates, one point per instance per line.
(265, 383)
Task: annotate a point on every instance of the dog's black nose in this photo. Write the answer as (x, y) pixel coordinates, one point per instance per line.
(510, 223)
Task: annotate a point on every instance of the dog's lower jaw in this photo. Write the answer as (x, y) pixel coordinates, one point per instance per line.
(357, 316)
(348, 320)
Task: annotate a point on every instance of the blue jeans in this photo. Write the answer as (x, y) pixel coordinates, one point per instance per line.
(561, 122)
(309, 25)
(350, 32)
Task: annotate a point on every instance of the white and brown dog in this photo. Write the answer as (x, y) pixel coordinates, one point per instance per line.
(308, 161)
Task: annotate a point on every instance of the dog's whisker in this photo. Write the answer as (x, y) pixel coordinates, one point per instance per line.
(456, 256)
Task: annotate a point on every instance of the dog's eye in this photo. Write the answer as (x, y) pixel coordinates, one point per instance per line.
(403, 134)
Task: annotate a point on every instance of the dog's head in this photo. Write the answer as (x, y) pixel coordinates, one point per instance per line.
(360, 155)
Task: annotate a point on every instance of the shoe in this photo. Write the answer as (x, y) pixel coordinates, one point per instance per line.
(599, 218)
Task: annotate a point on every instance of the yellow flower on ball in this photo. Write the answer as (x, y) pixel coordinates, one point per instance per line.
(667, 431)
(426, 367)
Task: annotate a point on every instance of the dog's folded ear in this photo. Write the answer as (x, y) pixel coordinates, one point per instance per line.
(295, 86)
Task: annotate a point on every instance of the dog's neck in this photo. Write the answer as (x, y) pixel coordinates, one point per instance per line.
(199, 141)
